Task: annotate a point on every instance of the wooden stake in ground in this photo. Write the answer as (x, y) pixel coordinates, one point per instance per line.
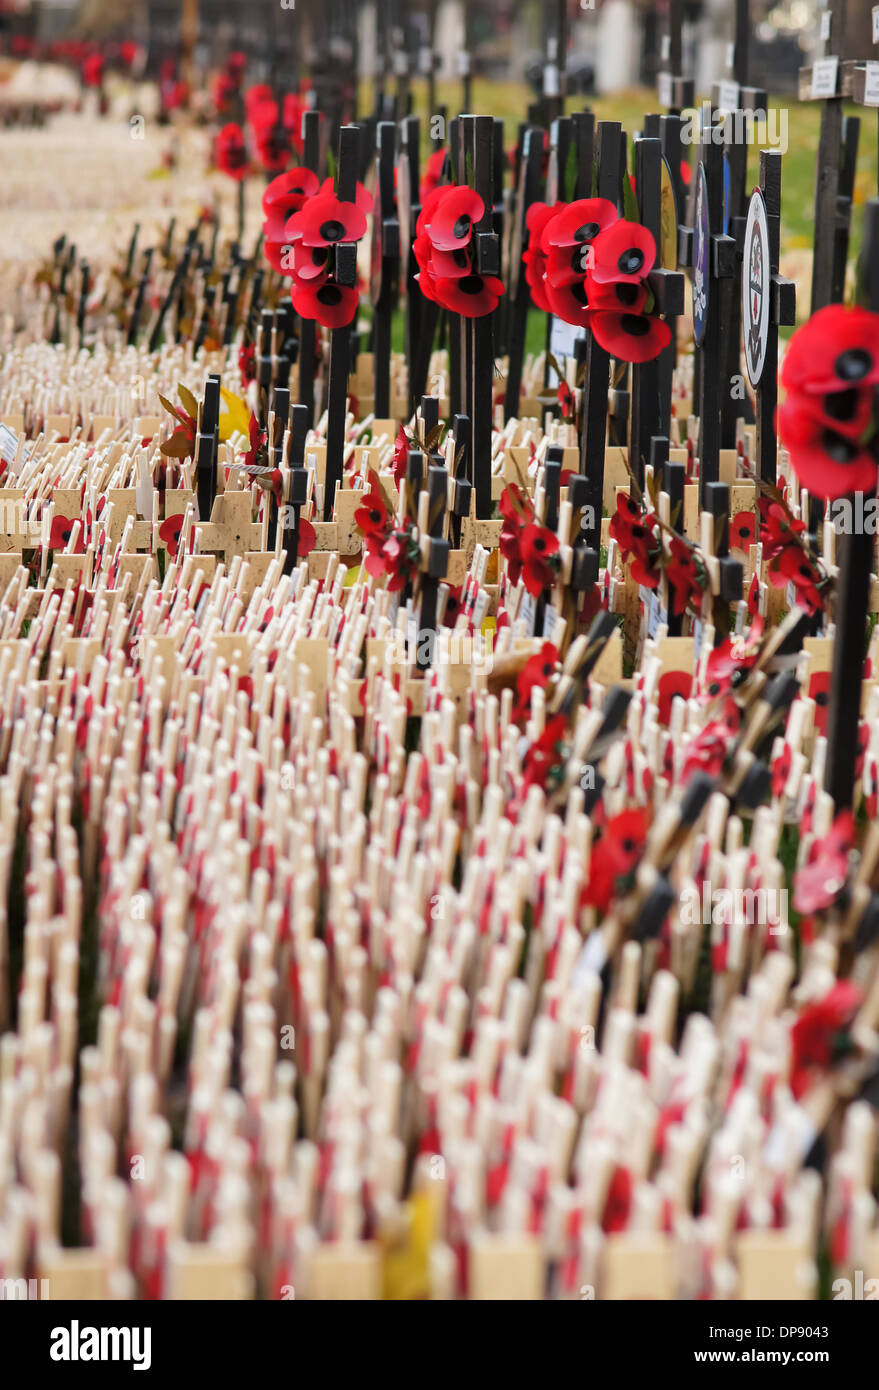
(855, 560)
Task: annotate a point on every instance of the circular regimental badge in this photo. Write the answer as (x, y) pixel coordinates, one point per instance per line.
(755, 288)
(701, 243)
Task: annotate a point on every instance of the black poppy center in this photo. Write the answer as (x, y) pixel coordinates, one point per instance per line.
(329, 295)
(853, 364)
(588, 232)
(318, 255)
(842, 405)
(539, 543)
(470, 284)
(837, 449)
(627, 294)
(631, 261)
(579, 293)
(332, 230)
(461, 227)
(635, 325)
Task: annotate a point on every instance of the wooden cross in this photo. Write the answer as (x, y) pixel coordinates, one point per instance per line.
(307, 336)
(385, 256)
(340, 342)
(594, 409)
(477, 134)
(528, 192)
(651, 388)
(712, 255)
(782, 311)
(855, 559)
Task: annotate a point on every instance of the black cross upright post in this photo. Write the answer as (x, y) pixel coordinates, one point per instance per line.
(560, 136)
(206, 447)
(832, 179)
(457, 348)
(479, 137)
(676, 94)
(462, 474)
(276, 430)
(597, 378)
(385, 256)
(297, 486)
(717, 263)
(555, 65)
(307, 335)
(855, 560)
(435, 559)
(730, 100)
(832, 202)
(651, 388)
(409, 204)
(860, 80)
(528, 192)
(782, 311)
(730, 571)
(340, 341)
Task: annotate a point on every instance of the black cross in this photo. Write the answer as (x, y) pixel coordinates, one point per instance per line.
(340, 341)
(477, 138)
(385, 257)
(307, 337)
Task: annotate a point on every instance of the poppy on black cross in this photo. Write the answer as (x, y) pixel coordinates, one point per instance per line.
(476, 134)
(310, 160)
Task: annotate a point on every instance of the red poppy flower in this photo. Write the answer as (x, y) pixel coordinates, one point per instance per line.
(272, 147)
(781, 770)
(93, 70)
(535, 278)
(372, 515)
(819, 691)
(433, 172)
(826, 462)
(569, 302)
(257, 442)
(231, 152)
(279, 254)
(816, 1038)
(565, 265)
(545, 755)
(627, 523)
(707, 752)
(443, 265)
(777, 527)
(579, 223)
(631, 337)
(847, 413)
(473, 296)
(306, 539)
(625, 251)
(247, 361)
(819, 883)
(793, 566)
(537, 217)
(401, 456)
(325, 221)
(754, 596)
(538, 671)
(615, 857)
(289, 191)
(257, 97)
(538, 546)
(310, 263)
(451, 223)
(332, 305)
(62, 530)
(743, 530)
(729, 663)
(363, 199)
(169, 532)
(618, 1203)
(836, 350)
(686, 575)
(620, 296)
(672, 684)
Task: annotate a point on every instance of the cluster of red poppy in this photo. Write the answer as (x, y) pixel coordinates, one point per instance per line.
(275, 127)
(304, 221)
(637, 533)
(827, 422)
(444, 251)
(789, 560)
(530, 550)
(391, 550)
(587, 265)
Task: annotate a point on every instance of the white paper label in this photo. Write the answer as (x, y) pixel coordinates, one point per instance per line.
(824, 75)
(876, 23)
(8, 444)
(665, 48)
(663, 89)
(650, 599)
(728, 96)
(825, 24)
(563, 338)
(730, 54)
(550, 81)
(527, 612)
(871, 84)
(425, 61)
(550, 618)
(463, 64)
(697, 637)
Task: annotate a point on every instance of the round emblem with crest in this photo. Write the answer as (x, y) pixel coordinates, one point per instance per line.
(755, 288)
